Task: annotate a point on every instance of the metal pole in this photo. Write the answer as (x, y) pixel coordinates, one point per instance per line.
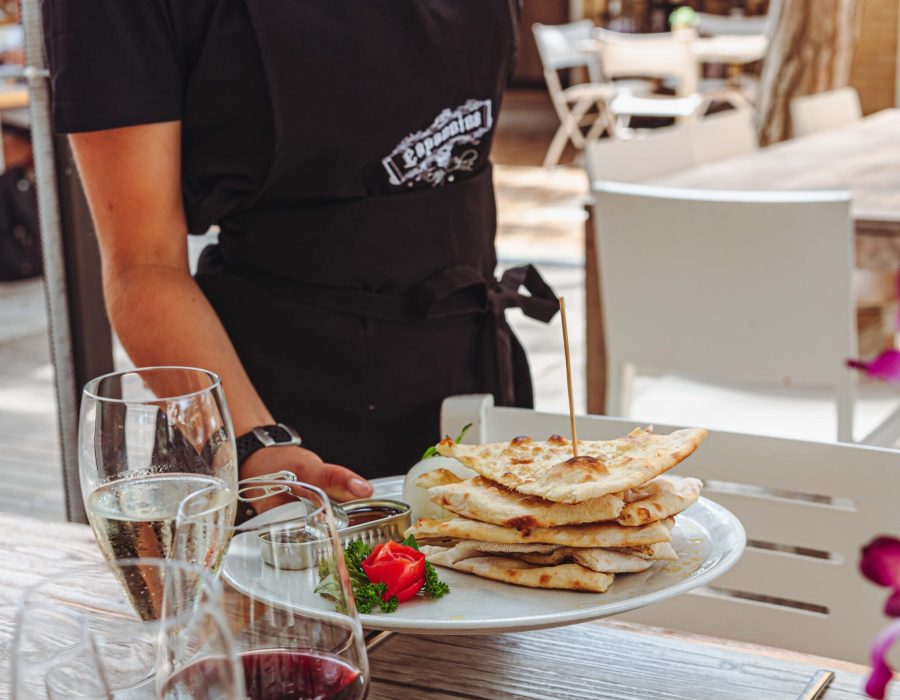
(80, 337)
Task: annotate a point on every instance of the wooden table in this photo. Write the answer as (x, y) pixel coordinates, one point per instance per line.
(863, 158)
(607, 660)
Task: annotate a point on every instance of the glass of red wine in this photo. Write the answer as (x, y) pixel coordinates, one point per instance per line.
(79, 636)
(287, 595)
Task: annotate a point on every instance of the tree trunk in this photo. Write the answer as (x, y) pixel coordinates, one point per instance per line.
(810, 50)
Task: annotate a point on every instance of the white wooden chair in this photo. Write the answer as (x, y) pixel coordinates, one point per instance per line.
(825, 110)
(723, 135)
(735, 287)
(664, 151)
(807, 508)
(663, 56)
(654, 56)
(560, 49)
(659, 153)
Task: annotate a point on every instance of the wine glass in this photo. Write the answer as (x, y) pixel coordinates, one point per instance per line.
(78, 636)
(148, 438)
(288, 598)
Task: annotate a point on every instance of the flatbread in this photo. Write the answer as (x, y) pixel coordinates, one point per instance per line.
(650, 552)
(658, 500)
(655, 552)
(501, 548)
(437, 477)
(604, 560)
(480, 499)
(571, 577)
(603, 535)
(546, 469)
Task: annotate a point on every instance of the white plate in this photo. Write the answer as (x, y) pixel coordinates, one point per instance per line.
(708, 538)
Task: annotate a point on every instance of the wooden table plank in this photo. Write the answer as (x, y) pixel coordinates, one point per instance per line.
(863, 157)
(605, 660)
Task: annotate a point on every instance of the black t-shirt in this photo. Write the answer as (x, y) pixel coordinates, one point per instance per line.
(117, 63)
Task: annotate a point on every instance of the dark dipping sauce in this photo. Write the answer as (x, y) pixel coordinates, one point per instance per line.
(368, 514)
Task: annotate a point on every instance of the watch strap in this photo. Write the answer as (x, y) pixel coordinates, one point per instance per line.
(277, 435)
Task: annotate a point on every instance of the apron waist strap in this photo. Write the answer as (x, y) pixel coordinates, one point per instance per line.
(455, 291)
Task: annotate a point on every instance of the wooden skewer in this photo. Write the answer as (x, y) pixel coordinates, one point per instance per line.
(565, 329)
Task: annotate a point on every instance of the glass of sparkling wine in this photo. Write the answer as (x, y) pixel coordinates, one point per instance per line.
(293, 642)
(147, 439)
(79, 637)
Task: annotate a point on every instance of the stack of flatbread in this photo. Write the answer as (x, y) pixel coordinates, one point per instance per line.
(536, 516)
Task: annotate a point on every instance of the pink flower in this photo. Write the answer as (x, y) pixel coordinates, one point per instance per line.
(880, 563)
(876, 684)
(885, 367)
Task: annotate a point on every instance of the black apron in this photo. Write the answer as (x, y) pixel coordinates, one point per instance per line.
(358, 289)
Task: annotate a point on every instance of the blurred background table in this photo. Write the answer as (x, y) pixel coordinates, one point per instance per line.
(598, 660)
(863, 157)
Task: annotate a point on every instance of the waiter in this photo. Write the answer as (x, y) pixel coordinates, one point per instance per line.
(342, 148)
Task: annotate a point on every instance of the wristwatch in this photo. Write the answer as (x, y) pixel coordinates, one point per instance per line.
(279, 435)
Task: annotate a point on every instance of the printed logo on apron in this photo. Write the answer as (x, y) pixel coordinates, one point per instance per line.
(434, 154)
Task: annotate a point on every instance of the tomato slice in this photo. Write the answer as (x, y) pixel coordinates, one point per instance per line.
(400, 568)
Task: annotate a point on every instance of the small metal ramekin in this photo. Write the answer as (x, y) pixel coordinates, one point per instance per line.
(379, 531)
(301, 548)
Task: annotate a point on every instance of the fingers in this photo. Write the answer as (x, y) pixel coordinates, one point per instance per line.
(340, 483)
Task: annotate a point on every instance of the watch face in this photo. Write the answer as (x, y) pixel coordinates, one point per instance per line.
(278, 434)
(272, 435)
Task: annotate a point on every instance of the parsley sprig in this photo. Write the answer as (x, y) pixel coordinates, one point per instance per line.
(369, 595)
(434, 587)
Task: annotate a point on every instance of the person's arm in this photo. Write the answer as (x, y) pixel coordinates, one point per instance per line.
(132, 180)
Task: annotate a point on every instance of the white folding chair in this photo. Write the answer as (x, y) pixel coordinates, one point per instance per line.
(734, 287)
(667, 150)
(807, 508)
(825, 110)
(560, 48)
(662, 56)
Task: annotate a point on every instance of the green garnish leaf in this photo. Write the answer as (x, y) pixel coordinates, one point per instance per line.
(369, 595)
(434, 587)
(432, 451)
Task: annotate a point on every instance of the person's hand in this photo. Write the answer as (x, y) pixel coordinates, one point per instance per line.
(338, 482)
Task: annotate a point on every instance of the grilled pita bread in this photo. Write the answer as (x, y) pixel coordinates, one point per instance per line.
(480, 499)
(500, 548)
(658, 500)
(546, 469)
(650, 552)
(603, 535)
(604, 560)
(655, 552)
(437, 477)
(572, 577)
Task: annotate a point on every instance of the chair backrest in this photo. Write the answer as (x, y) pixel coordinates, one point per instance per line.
(659, 153)
(560, 45)
(735, 286)
(807, 508)
(667, 55)
(722, 135)
(670, 149)
(825, 110)
(731, 25)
